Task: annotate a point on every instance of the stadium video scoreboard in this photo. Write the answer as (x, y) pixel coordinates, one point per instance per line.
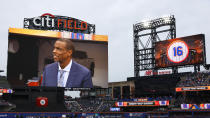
(182, 51)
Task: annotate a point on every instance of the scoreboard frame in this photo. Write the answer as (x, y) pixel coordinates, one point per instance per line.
(194, 44)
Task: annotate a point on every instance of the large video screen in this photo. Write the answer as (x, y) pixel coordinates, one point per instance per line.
(180, 51)
(32, 56)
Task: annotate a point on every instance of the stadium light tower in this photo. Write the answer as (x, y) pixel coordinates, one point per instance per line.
(144, 54)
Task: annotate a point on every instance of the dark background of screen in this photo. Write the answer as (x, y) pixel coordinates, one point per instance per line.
(160, 85)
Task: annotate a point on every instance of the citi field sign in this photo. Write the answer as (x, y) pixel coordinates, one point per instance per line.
(48, 21)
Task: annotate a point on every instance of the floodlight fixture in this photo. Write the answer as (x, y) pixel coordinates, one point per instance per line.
(147, 24)
(151, 24)
(167, 19)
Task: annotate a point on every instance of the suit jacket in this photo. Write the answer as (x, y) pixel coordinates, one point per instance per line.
(79, 76)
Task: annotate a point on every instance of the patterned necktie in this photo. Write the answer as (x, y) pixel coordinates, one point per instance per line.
(61, 79)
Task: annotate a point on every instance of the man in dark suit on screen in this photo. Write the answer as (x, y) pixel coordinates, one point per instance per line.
(65, 72)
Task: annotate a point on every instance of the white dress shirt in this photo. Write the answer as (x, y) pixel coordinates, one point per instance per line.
(66, 73)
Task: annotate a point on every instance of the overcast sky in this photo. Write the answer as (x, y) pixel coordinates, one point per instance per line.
(114, 18)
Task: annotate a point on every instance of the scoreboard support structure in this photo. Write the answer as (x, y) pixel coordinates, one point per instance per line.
(144, 54)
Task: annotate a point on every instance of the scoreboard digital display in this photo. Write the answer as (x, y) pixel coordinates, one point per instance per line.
(182, 51)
